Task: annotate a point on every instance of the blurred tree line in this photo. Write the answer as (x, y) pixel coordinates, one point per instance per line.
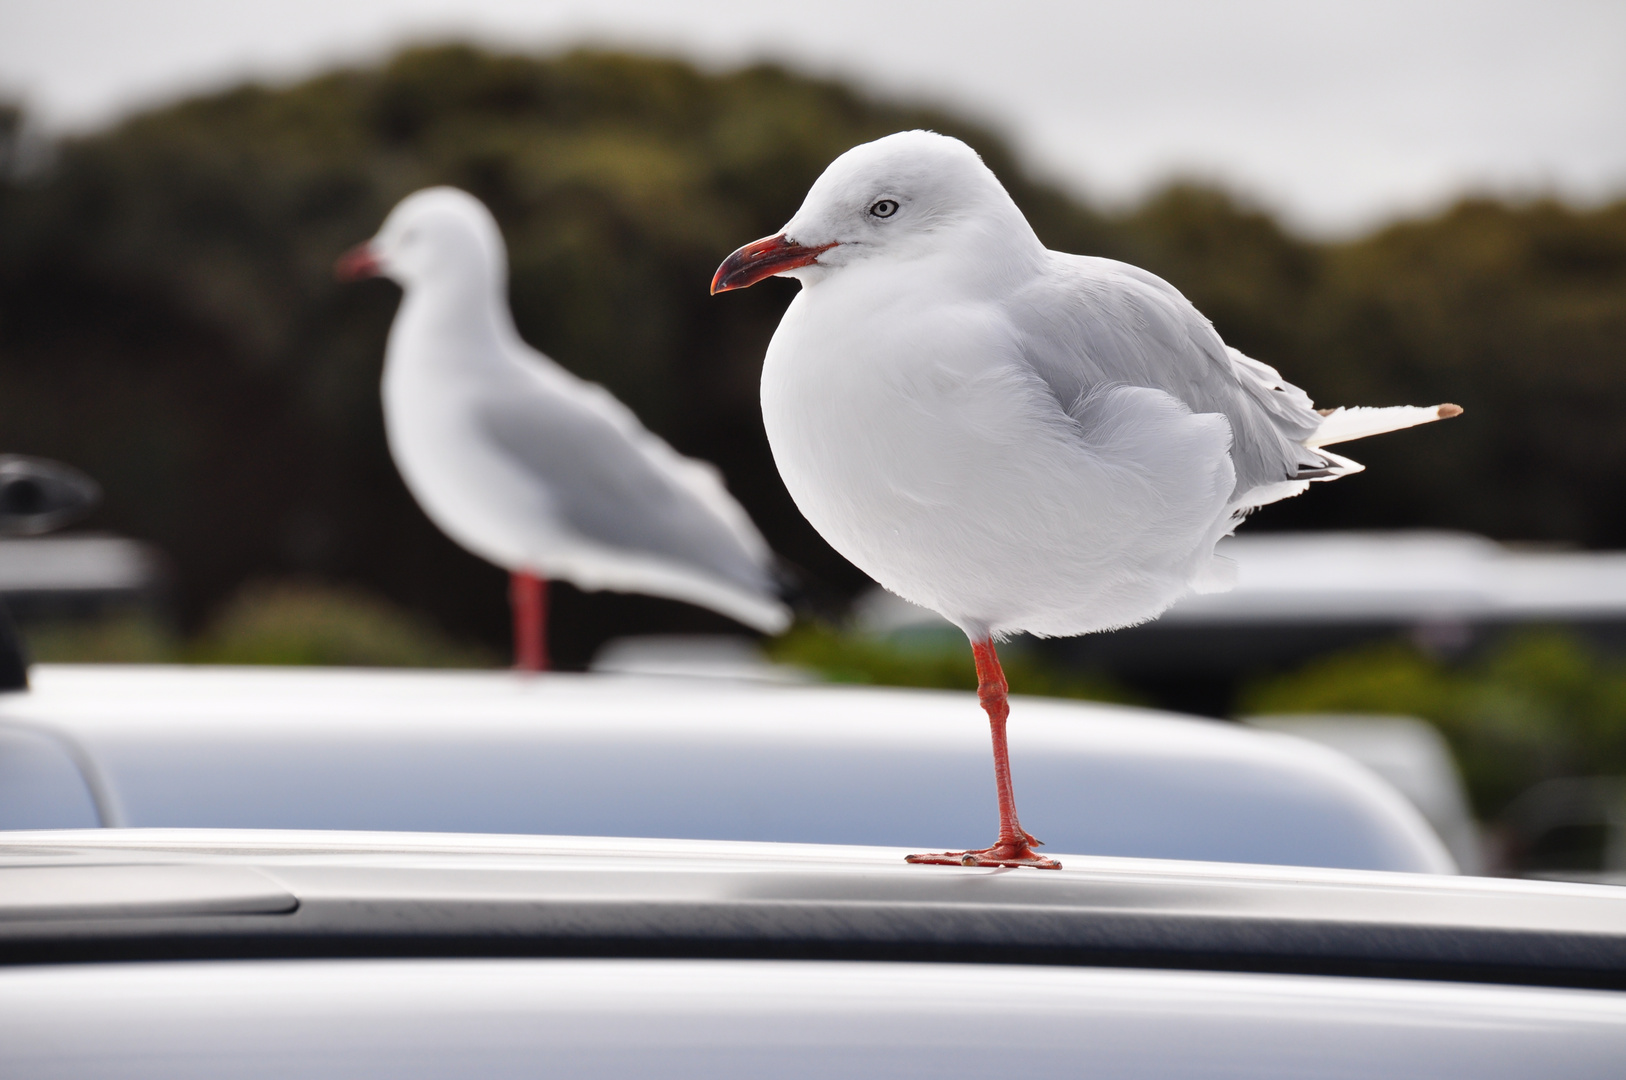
(1536, 703)
(169, 320)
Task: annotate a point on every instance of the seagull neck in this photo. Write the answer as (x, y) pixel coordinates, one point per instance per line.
(985, 259)
(465, 315)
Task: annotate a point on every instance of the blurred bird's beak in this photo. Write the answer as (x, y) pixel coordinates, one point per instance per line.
(763, 258)
(359, 262)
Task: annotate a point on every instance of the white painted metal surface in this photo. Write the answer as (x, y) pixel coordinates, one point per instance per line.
(723, 1019)
(701, 759)
(1410, 754)
(76, 563)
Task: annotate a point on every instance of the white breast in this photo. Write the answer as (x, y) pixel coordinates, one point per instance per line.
(467, 487)
(920, 444)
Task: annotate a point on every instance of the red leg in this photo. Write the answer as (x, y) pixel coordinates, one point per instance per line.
(1015, 844)
(528, 596)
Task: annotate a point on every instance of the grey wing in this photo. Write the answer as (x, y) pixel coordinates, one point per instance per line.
(1096, 323)
(612, 482)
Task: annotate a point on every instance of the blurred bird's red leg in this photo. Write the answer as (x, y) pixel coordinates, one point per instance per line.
(1015, 844)
(528, 596)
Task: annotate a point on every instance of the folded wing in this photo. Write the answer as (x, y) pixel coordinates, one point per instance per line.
(617, 486)
(1094, 323)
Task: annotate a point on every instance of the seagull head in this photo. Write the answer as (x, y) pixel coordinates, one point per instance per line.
(436, 235)
(915, 195)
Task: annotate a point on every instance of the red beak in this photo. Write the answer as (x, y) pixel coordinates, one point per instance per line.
(763, 258)
(359, 262)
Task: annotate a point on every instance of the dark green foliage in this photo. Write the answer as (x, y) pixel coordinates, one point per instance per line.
(1540, 704)
(169, 322)
(308, 623)
(291, 621)
(1517, 313)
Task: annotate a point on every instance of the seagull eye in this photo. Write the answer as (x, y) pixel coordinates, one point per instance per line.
(885, 208)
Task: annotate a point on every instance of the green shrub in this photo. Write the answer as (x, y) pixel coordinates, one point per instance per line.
(121, 637)
(1536, 704)
(299, 622)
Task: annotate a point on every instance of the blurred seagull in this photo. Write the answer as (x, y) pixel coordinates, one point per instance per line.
(528, 466)
(1018, 439)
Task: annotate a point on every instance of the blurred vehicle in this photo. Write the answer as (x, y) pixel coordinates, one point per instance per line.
(705, 759)
(1411, 755)
(77, 576)
(399, 955)
(36, 496)
(717, 656)
(1301, 595)
(1571, 828)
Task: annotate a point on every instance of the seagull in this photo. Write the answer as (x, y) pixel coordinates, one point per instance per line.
(1021, 440)
(528, 466)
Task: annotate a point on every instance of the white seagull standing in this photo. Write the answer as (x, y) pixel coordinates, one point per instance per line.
(528, 466)
(1019, 439)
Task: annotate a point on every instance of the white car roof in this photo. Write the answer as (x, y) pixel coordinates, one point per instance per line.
(709, 759)
(345, 954)
(75, 893)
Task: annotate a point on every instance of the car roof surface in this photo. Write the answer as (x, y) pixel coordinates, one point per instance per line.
(692, 758)
(160, 894)
(716, 1020)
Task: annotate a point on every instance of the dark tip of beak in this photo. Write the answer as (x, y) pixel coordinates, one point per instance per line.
(358, 263)
(763, 258)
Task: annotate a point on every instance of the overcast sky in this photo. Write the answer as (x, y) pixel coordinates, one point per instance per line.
(1340, 114)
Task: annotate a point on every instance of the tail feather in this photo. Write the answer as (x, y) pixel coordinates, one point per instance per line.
(1345, 425)
(1337, 425)
(1337, 466)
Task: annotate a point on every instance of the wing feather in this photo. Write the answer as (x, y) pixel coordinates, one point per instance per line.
(613, 482)
(1116, 324)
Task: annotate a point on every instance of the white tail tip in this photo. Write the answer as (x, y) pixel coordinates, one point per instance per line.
(1346, 425)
